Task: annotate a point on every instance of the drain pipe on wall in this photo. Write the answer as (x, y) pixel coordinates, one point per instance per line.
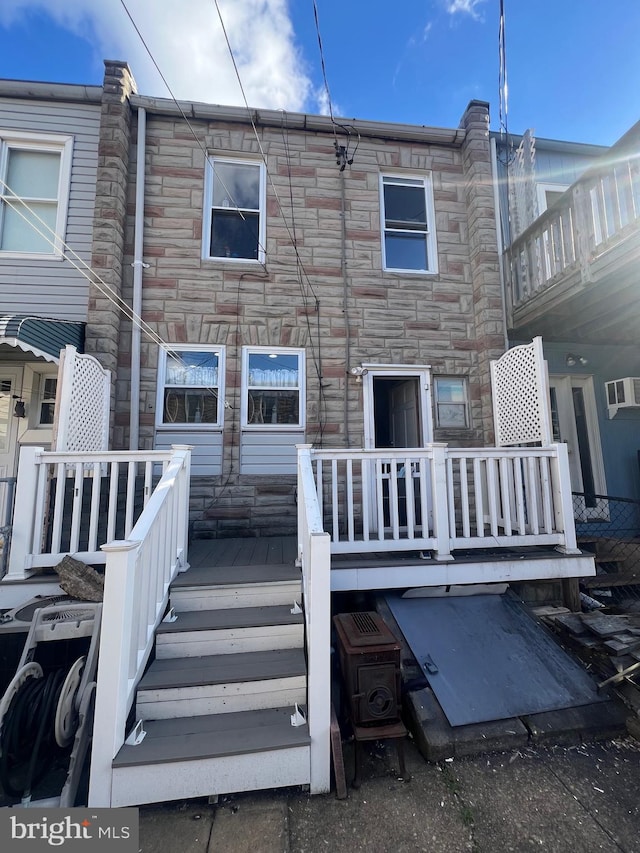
(498, 212)
(136, 302)
(345, 309)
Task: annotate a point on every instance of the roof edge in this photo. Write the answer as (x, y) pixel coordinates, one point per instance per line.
(41, 91)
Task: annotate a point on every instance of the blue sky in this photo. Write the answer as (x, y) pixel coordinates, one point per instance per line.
(573, 65)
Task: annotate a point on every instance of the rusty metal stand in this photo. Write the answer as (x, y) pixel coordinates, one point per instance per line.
(392, 731)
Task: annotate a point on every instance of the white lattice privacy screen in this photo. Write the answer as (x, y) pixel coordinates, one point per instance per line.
(520, 386)
(82, 403)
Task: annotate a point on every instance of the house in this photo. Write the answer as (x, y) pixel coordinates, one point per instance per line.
(48, 157)
(304, 321)
(571, 237)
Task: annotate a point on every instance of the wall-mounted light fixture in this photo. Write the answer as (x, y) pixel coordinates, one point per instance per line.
(358, 372)
(572, 359)
(18, 409)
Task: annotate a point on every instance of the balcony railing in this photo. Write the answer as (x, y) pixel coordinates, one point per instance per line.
(598, 211)
(442, 499)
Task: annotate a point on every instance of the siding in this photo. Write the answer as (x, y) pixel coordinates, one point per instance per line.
(206, 456)
(47, 287)
(269, 453)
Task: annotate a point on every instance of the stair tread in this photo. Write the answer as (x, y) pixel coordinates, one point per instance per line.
(212, 576)
(224, 669)
(214, 736)
(238, 617)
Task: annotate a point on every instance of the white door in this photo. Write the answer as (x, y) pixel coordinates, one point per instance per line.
(397, 414)
(574, 420)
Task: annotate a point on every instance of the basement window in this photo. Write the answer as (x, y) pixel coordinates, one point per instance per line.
(234, 221)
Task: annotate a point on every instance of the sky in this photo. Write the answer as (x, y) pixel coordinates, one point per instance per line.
(573, 66)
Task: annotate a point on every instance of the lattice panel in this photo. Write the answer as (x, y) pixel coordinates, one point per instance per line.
(521, 405)
(522, 190)
(82, 404)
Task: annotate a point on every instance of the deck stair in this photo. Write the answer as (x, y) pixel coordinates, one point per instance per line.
(217, 702)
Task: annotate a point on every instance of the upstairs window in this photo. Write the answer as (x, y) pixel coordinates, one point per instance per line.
(189, 387)
(273, 388)
(34, 191)
(408, 231)
(234, 224)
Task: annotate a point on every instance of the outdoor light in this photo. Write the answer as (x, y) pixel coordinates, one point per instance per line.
(572, 359)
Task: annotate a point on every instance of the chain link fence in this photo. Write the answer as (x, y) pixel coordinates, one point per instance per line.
(609, 527)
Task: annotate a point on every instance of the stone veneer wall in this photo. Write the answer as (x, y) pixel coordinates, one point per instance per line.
(452, 320)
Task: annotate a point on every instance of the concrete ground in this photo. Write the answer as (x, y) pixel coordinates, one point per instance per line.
(580, 799)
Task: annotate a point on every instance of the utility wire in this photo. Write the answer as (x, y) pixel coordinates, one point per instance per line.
(324, 69)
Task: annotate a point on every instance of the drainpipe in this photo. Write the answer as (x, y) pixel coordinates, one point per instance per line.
(345, 308)
(496, 204)
(136, 303)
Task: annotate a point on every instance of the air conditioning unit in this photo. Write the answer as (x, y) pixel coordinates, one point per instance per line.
(623, 394)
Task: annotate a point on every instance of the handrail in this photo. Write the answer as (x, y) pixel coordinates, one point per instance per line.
(138, 574)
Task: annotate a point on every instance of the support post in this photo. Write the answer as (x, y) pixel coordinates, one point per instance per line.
(441, 527)
(319, 645)
(183, 502)
(113, 680)
(563, 499)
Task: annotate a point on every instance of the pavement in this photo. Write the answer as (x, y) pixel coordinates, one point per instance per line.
(579, 798)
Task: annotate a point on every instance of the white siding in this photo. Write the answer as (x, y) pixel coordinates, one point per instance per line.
(269, 452)
(50, 287)
(206, 456)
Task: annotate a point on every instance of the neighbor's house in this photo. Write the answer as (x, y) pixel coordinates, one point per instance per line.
(570, 216)
(299, 282)
(48, 158)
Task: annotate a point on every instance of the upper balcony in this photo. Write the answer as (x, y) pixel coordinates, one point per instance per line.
(573, 273)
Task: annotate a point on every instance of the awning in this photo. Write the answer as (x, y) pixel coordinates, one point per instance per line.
(40, 336)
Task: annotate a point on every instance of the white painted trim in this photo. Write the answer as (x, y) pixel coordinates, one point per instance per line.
(51, 143)
(268, 428)
(388, 371)
(169, 349)
(209, 171)
(432, 573)
(426, 179)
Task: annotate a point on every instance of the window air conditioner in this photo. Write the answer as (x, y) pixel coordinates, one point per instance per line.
(623, 394)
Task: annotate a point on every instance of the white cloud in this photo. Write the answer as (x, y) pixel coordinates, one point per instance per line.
(187, 42)
(465, 7)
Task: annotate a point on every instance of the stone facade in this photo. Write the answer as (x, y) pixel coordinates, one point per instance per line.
(328, 293)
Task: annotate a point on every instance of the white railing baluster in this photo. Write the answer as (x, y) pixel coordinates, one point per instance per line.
(394, 504)
(519, 490)
(464, 498)
(349, 487)
(41, 498)
(409, 498)
(113, 501)
(505, 494)
(451, 497)
(131, 497)
(148, 481)
(366, 495)
(58, 507)
(545, 489)
(492, 493)
(76, 510)
(532, 496)
(478, 495)
(425, 478)
(380, 503)
(96, 484)
(335, 514)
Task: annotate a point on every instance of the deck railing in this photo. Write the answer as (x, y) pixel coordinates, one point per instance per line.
(315, 561)
(599, 210)
(441, 499)
(138, 573)
(76, 502)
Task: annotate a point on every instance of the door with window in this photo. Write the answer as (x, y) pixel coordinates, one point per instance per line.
(8, 431)
(574, 421)
(397, 415)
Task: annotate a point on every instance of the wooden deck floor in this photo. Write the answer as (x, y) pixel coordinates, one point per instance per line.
(246, 551)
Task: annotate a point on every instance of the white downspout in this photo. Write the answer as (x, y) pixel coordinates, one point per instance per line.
(136, 303)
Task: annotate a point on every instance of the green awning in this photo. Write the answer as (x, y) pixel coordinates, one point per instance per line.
(41, 336)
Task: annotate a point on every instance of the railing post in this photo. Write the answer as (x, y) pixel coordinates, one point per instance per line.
(304, 451)
(112, 691)
(441, 526)
(26, 497)
(184, 450)
(319, 646)
(563, 499)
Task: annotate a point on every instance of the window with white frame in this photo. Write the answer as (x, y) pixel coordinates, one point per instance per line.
(273, 388)
(46, 399)
(234, 221)
(408, 224)
(451, 400)
(190, 387)
(34, 193)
